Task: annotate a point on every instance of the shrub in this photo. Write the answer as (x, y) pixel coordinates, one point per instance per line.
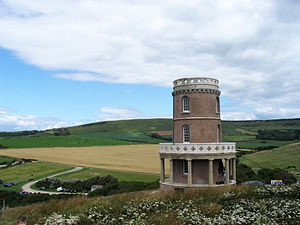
(124, 187)
(2, 147)
(74, 184)
(266, 175)
(245, 173)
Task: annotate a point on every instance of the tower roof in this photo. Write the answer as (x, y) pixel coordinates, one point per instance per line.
(194, 83)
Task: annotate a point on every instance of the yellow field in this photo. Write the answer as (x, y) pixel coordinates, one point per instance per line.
(135, 158)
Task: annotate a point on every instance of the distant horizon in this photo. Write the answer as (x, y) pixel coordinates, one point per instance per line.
(143, 119)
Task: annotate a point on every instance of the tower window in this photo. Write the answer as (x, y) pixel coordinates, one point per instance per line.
(185, 167)
(185, 104)
(218, 105)
(186, 133)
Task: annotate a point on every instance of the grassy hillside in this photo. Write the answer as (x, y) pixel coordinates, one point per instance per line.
(139, 131)
(282, 157)
(124, 126)
(121, 176)
(224, 206)
(45, 140)
(30, 170)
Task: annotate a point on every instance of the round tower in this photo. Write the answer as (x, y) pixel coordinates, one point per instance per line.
(197, 156)
(196, 111)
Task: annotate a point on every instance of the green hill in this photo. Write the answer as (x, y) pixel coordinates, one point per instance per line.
(286, 157)
(143, 131)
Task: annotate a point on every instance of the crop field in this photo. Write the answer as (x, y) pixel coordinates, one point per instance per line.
(133, 158)
(33, 170)
(121, 176)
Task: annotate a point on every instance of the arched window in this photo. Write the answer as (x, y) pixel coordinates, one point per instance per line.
(186, 133)
(218, 105)
(185, 104)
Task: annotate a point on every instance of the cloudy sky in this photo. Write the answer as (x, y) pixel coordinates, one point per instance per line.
(67, 62)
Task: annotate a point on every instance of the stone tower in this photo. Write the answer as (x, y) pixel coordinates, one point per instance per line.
(197, 156)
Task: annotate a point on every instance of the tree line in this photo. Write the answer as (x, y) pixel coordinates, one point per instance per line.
(281, 135)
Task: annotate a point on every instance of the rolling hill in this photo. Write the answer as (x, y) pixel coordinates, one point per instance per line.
(285, 157)
(144, 131)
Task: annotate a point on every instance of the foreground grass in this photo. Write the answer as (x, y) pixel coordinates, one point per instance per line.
(33, 170)
(235, 205)
(121, 176)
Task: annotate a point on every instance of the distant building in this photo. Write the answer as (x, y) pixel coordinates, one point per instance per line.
(197, 156)
(95, 187)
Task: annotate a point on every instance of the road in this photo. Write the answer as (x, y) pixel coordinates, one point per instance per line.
(27, 187)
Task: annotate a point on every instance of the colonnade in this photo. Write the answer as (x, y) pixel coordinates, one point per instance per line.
(230, 171)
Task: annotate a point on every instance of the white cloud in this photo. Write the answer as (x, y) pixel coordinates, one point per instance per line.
(123, 113)
(109, 113)
(277, 112)
(14, 122)
(252, 46)
(237, 116)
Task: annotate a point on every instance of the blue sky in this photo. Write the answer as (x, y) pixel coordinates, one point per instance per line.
(66, 62)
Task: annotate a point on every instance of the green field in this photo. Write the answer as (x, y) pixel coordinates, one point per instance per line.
(6, 160)
(33, 170)
(45, 140)
(282, 157)
(126, 132)
(121, 176)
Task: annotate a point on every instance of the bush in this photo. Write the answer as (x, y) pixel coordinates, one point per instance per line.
(266, 175)
(13, 199)
(74, 184)
(124, 187)
(283, 135)
(245, 173)
(3, 147)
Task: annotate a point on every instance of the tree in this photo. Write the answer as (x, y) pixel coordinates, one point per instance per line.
(266, 175)
(245, 173)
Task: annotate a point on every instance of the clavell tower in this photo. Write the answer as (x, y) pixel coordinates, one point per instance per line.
(198, 157)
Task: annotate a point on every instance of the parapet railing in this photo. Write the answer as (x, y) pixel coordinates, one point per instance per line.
(196, 80)
(198, 148)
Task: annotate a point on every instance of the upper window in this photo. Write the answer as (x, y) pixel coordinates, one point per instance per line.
(185, 104)
(186, 133)
(218, 105)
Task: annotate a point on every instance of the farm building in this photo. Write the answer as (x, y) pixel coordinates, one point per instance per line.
(198, 157)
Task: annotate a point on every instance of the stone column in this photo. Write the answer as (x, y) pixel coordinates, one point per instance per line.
(234, 168)
(230, 168)
(190, 174)
(210, 172)
(171, 171)
(227, 171)
(162, 170)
